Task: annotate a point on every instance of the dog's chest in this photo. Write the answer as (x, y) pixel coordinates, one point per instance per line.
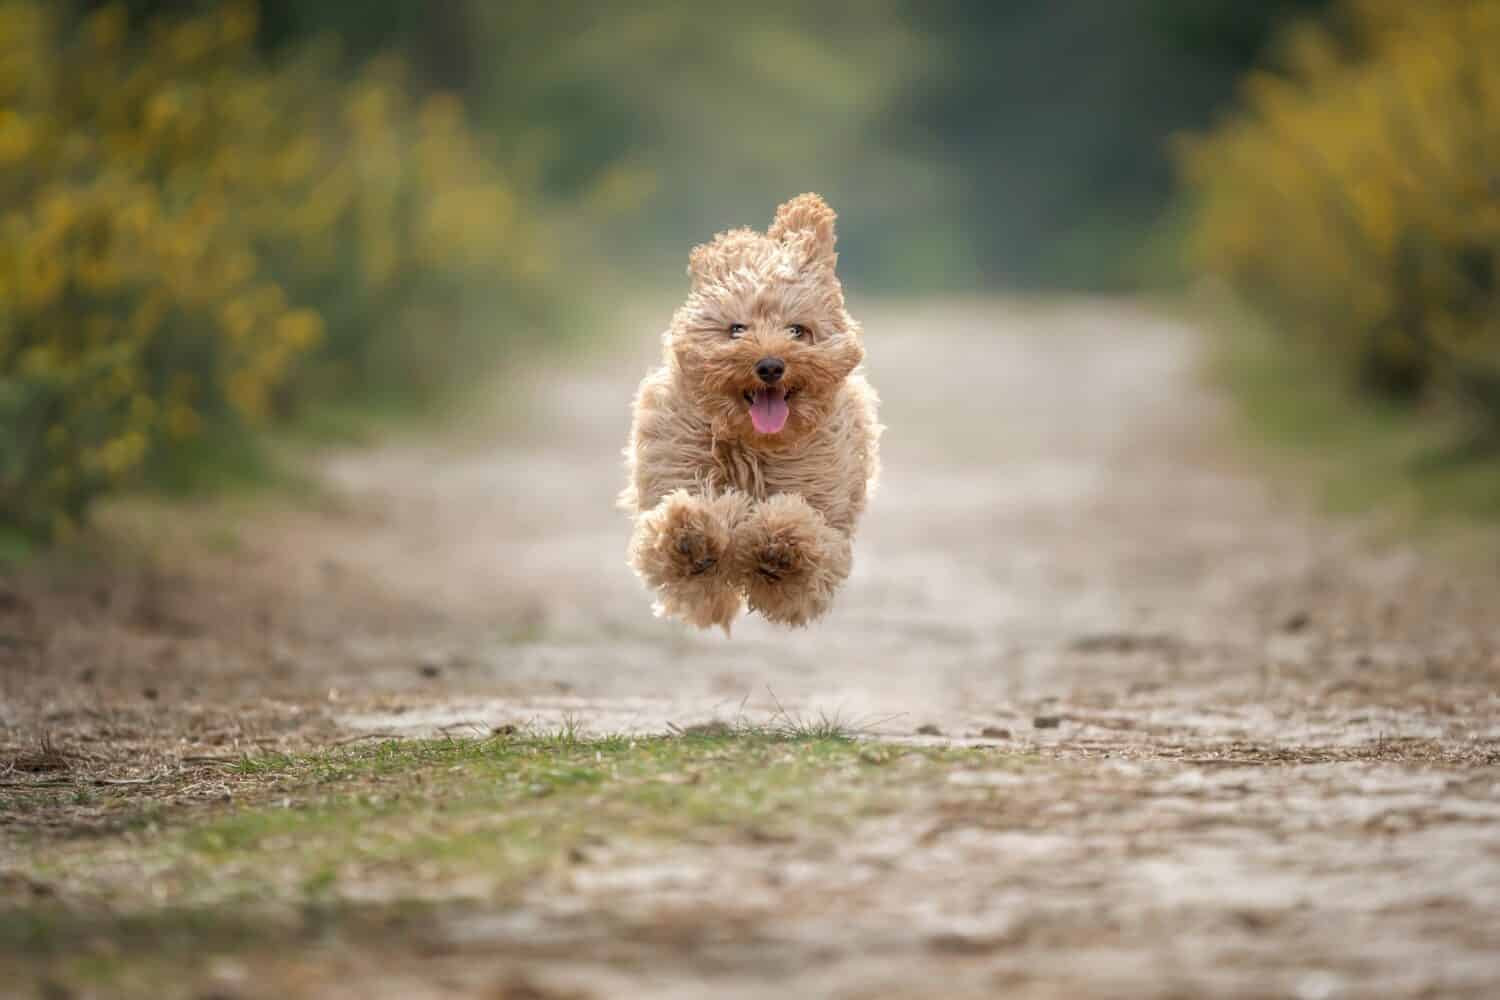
(738, 468)
(756, 473)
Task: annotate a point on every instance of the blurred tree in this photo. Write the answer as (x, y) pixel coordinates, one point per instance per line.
(198, 239)
(1352, 198)
(679, 118)
(1054, 118)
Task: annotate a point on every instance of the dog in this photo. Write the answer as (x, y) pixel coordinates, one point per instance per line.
(753, 448)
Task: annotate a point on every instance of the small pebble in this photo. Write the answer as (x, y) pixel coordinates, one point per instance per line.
(928, 729)
(995, 733)
(1047, 721)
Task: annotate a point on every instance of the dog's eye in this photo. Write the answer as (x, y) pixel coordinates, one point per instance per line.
(797, 331)
(737, 329)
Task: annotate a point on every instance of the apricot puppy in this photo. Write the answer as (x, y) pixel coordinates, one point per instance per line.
(754, 444)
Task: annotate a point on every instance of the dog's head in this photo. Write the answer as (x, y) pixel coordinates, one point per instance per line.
(763, 342)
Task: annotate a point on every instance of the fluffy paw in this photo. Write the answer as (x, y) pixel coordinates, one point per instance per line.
(789, 560)
(682, 539)
(683, 549)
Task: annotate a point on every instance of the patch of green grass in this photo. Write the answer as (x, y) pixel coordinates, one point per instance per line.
(264, 763)
(368, 844)
(1419, 466)
(417, 815)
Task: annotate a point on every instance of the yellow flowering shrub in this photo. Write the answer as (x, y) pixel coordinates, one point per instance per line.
(191, 236)
(1356, 196)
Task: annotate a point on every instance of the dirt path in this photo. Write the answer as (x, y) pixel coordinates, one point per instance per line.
(1274, 747)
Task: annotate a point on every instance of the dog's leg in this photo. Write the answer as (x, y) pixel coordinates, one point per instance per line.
(789, 560)
(683, 548)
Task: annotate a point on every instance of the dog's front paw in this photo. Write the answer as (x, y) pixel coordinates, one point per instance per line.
(684, 549)
(682, 539)
(789, 560)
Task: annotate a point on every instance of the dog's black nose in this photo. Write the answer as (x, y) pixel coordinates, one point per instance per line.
(770, 370)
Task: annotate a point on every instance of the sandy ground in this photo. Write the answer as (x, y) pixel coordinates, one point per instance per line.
(1273, 744)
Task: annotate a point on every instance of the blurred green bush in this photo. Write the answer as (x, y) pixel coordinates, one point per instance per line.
(195, 239)
(1356, 197)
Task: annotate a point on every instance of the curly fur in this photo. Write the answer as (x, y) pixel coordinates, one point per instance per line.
(726, 514)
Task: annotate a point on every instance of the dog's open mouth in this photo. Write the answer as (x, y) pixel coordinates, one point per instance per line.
(768, 408)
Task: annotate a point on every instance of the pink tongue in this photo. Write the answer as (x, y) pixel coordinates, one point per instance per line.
(768, 412)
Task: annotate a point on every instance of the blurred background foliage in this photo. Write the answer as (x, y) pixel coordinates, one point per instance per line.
(1020, 142)
(1355, 198)
(223, 213)
(198, 239)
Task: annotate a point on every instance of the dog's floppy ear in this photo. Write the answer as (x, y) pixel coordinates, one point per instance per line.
(806, 219)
